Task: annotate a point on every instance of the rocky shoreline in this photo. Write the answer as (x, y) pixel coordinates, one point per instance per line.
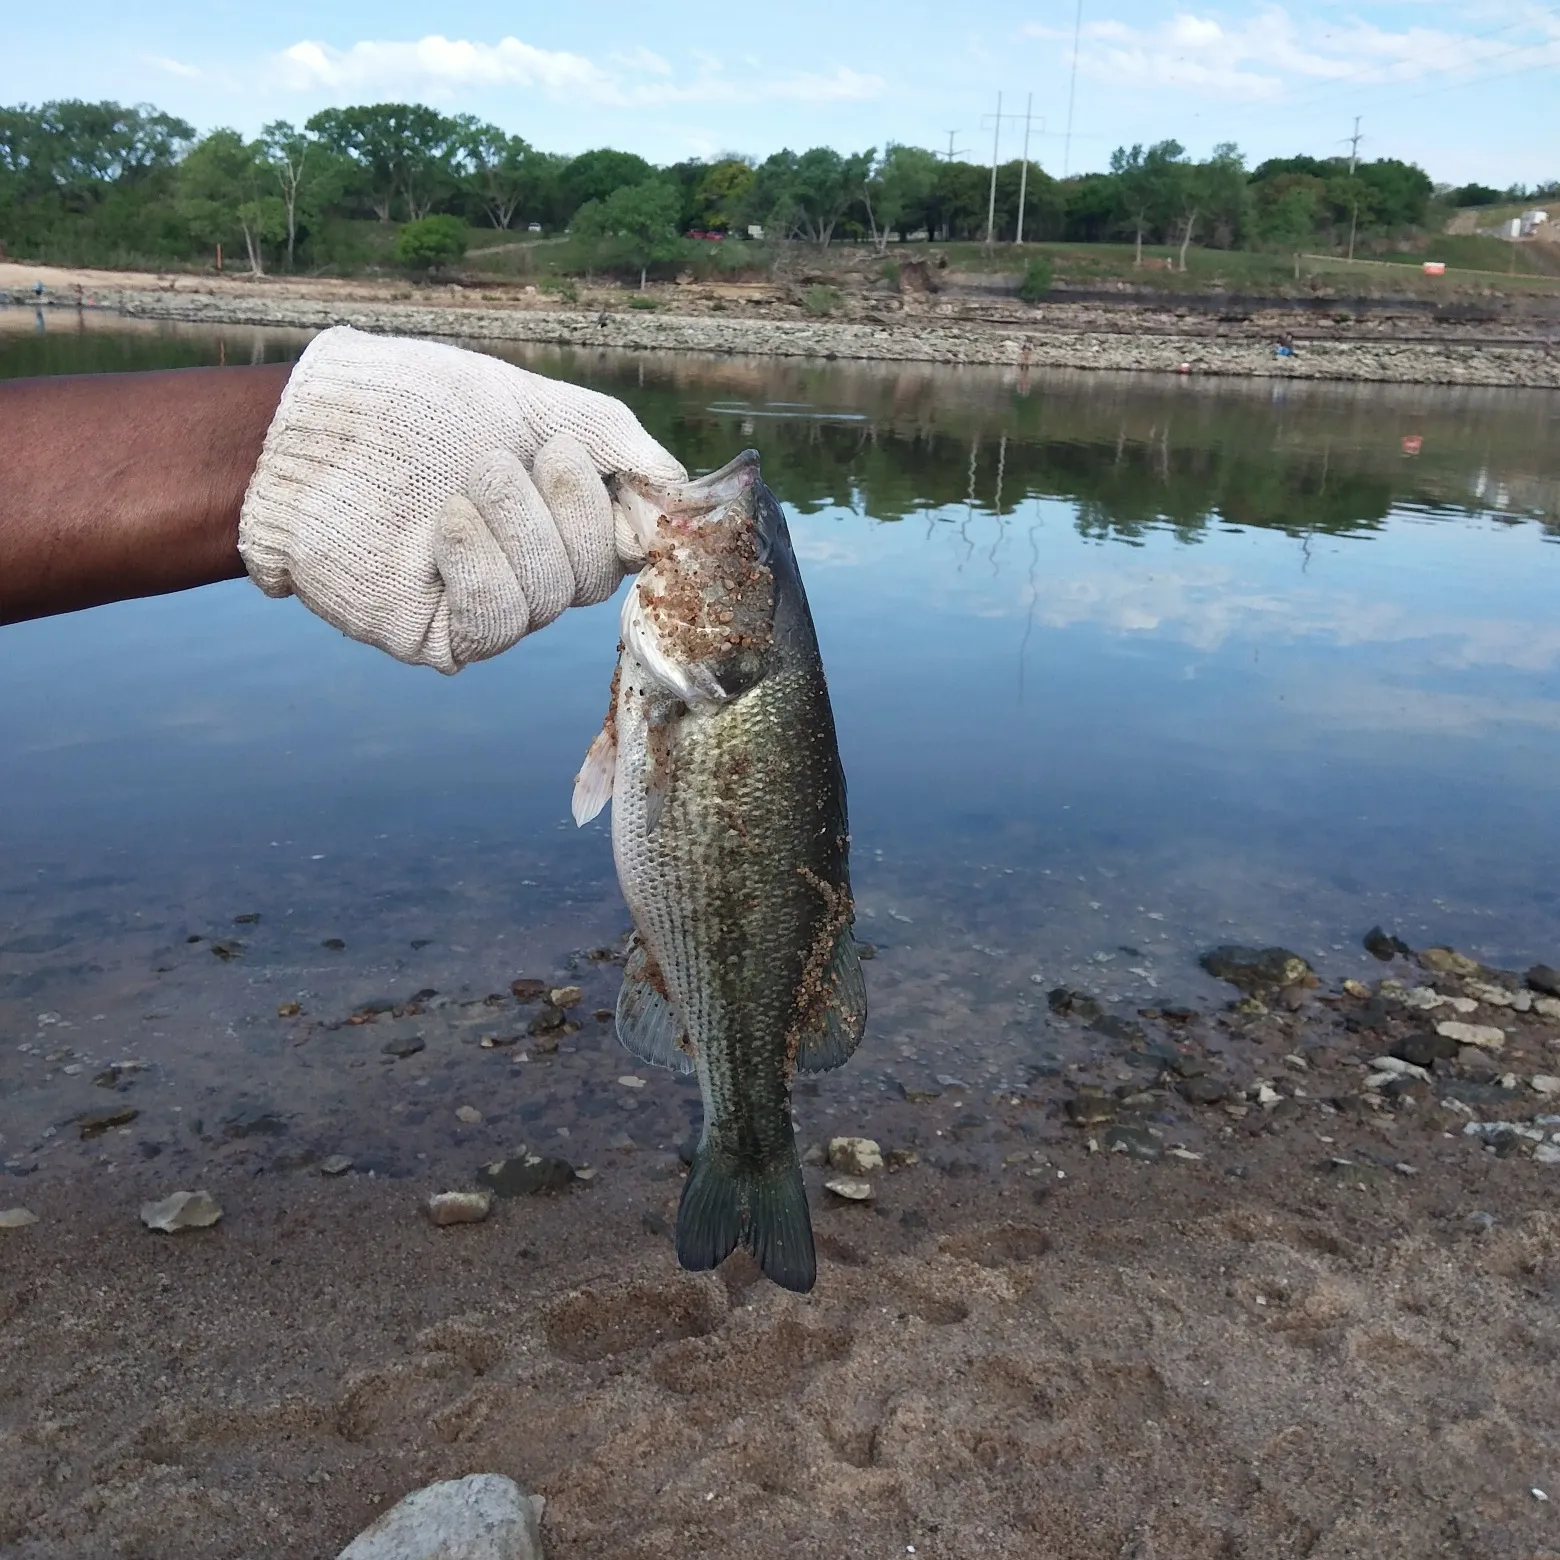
(1060, 336)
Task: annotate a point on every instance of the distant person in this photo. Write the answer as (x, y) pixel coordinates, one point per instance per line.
(437, 503)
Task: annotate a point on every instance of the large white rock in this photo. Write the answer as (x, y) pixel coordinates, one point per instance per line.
(484, 1516)
(181, 1211)
(1486, 1036)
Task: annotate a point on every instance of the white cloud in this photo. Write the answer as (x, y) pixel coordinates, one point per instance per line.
(1259, 57)
(173, 67)
(439, 67)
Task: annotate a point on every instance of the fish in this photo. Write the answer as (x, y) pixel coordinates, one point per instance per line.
(732, 846)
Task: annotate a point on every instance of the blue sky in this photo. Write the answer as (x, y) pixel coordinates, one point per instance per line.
(1470, 89)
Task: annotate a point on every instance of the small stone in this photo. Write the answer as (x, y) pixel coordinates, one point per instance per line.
(1485, 1036)
(1545, 1083)
(1358, 989)
(17, 1218)
(629, 1081)
(1203, 1091)
(1425, 1049)
(851, 1188)
(484, 1516)
(585, 1173)
(1447, 961)
(1396, 1066)
(1183, 1153)
(468, 1114)
(1383, 945)
(526, 1175)
(855, 1155)
(1067, 1003)
(1134, 1142)
(1547, 1153)
(289, 1009)
(335, 944)
(1548, 1006)
(249, 918)
(546, 1020)
(565, 996)
(1249, 1007)
(866, 950)
(1256, 969)
(653, 1223)
(337, 1164)
(1544, 978)
(1089, 1107)
(527, 990)
(225, 949)
(181, 1211)
(459, 1207)
(404, 1046)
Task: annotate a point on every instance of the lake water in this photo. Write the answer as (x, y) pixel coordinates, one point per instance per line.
(1122, 668)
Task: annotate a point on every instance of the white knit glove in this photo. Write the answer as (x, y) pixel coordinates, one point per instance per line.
(439, 503)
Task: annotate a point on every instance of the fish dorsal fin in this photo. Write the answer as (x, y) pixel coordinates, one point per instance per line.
(648, 1025)
(842, 1014)
(598, 774)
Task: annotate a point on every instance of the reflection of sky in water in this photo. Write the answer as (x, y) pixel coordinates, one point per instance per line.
(1265, 735)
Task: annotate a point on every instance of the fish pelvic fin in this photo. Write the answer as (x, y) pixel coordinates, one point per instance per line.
(766, 1212)
(598, 774)
(648, 1024)
(838, 1020)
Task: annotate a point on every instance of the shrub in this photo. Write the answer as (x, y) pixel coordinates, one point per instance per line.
(563, 286)
(891, 272)
(1037, 280)
(639, 301)
(430, 243)
(821, 301)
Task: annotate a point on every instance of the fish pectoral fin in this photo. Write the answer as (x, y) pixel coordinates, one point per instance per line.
(841, 1019)
(593, 784)
(648, 1025)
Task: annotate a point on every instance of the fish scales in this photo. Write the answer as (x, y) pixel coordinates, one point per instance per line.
(731, 842)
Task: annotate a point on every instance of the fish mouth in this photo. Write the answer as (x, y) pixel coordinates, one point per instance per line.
(642, 504)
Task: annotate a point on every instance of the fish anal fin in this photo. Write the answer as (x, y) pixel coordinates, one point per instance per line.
(648, 1024)
(766, 1212)
(593, 784)
(838, 1018)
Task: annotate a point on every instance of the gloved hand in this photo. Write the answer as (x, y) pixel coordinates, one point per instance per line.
(439, 503)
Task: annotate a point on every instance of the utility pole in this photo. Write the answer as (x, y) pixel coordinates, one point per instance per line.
(1072, 91)
(951, 152)
(1354, 157)
(1023, 177)
(991, 206)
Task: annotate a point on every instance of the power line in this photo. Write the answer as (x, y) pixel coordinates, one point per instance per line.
(1072, 91)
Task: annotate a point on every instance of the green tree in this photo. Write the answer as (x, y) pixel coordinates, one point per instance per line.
(399, 149)
(224, 189)
(1149, 188)
(496, 167)
(643, 216)
(431, 243)
(307, 174)
(897, 191)
(1287, 209)
(595, 175)
(721, 192)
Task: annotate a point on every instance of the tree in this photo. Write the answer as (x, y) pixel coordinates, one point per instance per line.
(400, 149)
(498, 168)
(1287, 208)
(1148, 186)
(221, 190)
(596, 175)
(296, 163)
(720, 193)
(430, 243)
(644, 216)
(897, 190)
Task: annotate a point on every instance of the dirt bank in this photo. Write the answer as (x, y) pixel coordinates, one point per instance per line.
(1224, 1289)
(1374, 346)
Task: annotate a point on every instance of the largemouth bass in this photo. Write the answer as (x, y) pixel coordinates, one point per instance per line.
(730, 837)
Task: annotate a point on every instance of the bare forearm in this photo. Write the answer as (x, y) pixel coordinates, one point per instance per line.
(121, 485)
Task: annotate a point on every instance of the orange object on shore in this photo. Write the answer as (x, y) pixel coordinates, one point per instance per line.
(1435, 268)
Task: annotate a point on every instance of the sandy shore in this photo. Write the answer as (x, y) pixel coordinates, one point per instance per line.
(772, 321)
(1327, 1328)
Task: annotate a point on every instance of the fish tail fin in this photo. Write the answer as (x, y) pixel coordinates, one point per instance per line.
(766, 1212)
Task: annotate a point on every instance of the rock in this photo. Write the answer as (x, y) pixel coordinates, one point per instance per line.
(1447, 961)
(104, 1121)
(1089, 1107)
(1544, 978)
(1425, 1049)
(484, 1516)
(17, 1218)
(1396, 1067)
(1134, 1142)
(404, 1046)
(1547, 1154)
(855, 1155)
(288, 1009)
(1382, 945)
(1256, 969)
(1114, 1028)
(1203, 1091)
(1545, 1083)
(459, 1207)
(337, 1164)
(565, 996)
(528, 990)
(1486, 1036)
(181, 1211)
(631, 1081)
(253, 1121)
(545, 1020)
(335, 944)
(469, 1114)
(1067, 1003)
(851, 1188)
(1356, 989)
(526, 1175)
(1548, 1006)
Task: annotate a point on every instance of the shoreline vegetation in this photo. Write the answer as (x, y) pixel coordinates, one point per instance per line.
(946, 316)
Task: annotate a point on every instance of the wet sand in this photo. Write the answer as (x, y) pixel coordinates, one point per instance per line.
(1321, 1326)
